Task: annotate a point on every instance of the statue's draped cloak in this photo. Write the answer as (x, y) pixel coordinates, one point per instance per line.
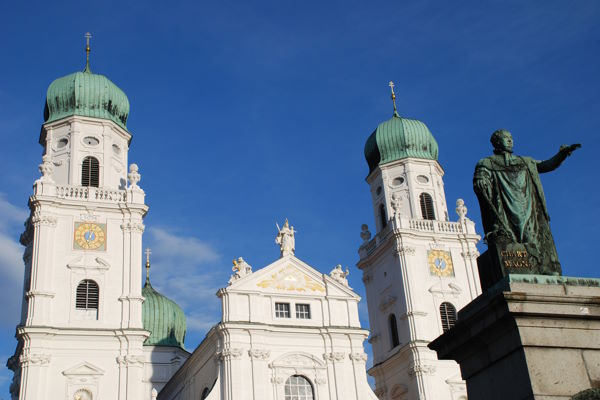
(514, 203)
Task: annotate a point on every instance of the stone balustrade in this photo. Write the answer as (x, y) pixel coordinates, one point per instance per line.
(91, 194)
(465, 226)
(426, 225)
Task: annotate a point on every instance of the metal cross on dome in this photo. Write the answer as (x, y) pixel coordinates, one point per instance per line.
(148, 252)
(87, 36)
(391, 85)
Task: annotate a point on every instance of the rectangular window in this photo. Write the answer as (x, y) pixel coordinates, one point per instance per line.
(303, 311)
(282, 310)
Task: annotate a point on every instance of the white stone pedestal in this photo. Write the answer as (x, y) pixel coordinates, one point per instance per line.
(528, 337)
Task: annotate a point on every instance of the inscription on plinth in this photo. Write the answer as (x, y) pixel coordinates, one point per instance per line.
(504, 259)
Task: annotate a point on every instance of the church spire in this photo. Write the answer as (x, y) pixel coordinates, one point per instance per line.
(87, 36)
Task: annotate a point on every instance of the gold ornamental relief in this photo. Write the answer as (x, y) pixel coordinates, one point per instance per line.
(290, 279)
(440, 263)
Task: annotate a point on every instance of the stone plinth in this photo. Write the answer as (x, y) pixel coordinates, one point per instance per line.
(528, 337)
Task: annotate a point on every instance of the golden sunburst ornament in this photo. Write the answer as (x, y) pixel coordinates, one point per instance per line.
(440, 263)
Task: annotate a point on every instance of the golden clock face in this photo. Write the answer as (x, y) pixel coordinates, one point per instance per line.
(440, 263)
(89, 236)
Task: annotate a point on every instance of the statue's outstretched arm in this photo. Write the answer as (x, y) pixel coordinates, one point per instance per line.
(554, 162)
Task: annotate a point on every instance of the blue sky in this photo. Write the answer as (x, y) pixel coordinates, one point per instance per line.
(245, 113)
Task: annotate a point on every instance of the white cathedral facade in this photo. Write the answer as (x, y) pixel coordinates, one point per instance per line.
(89, 330)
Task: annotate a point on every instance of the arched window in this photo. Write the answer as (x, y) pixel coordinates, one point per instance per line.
(426, 206)
(448, 315)
(90, 172)
(298, 387)
(393, 326)
(87, 295)
(382, 216)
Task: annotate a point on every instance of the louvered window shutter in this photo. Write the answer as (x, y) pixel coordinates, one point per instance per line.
(90, 172)
(87, 295)
(426, 206)
(448, 315)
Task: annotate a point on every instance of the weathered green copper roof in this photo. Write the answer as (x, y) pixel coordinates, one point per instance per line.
(86, 94)
(163, 318)
(399, 138)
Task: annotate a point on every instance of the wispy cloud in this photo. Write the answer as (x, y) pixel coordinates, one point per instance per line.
(182, 269)
(11, 263)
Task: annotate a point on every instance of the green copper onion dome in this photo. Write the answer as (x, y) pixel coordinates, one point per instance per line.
(162, 317)
(88, 95)
(399, 138)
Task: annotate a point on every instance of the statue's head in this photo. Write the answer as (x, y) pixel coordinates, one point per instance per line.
(502, 141)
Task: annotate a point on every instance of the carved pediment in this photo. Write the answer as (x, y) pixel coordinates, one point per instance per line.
(83, 369)
(449, 289)
(88, 262)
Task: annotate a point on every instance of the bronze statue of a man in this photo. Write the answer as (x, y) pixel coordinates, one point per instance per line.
(513, 207)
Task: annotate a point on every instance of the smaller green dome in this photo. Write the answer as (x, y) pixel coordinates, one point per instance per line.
(399, 138)
(163, 318)
(88, 95)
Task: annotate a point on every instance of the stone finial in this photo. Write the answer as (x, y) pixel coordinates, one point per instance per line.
(339, 275)
(365, 234)
(134, 176)
(46, 168)
(240, 269)
(461, 209)
(285, 239)
(154, 394)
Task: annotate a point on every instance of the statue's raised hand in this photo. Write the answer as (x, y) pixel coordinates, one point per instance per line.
(567, 150)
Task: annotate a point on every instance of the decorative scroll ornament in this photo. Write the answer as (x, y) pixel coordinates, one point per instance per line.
(339, 275)
(34, 359)
(408, 250)
(421, 369)
(38, 219)
(334, 356)
(130, 360)
(362, 357)
(259, 354)
(470, 254)
(134, 176)
(230, 353)
(133, 227)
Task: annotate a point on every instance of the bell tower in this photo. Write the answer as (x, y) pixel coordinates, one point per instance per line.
(419, 268)
(81, 332)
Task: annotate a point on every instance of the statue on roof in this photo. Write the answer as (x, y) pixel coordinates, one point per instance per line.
(285, 239)
(340, 275)
(513, 210)
(240, 269)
